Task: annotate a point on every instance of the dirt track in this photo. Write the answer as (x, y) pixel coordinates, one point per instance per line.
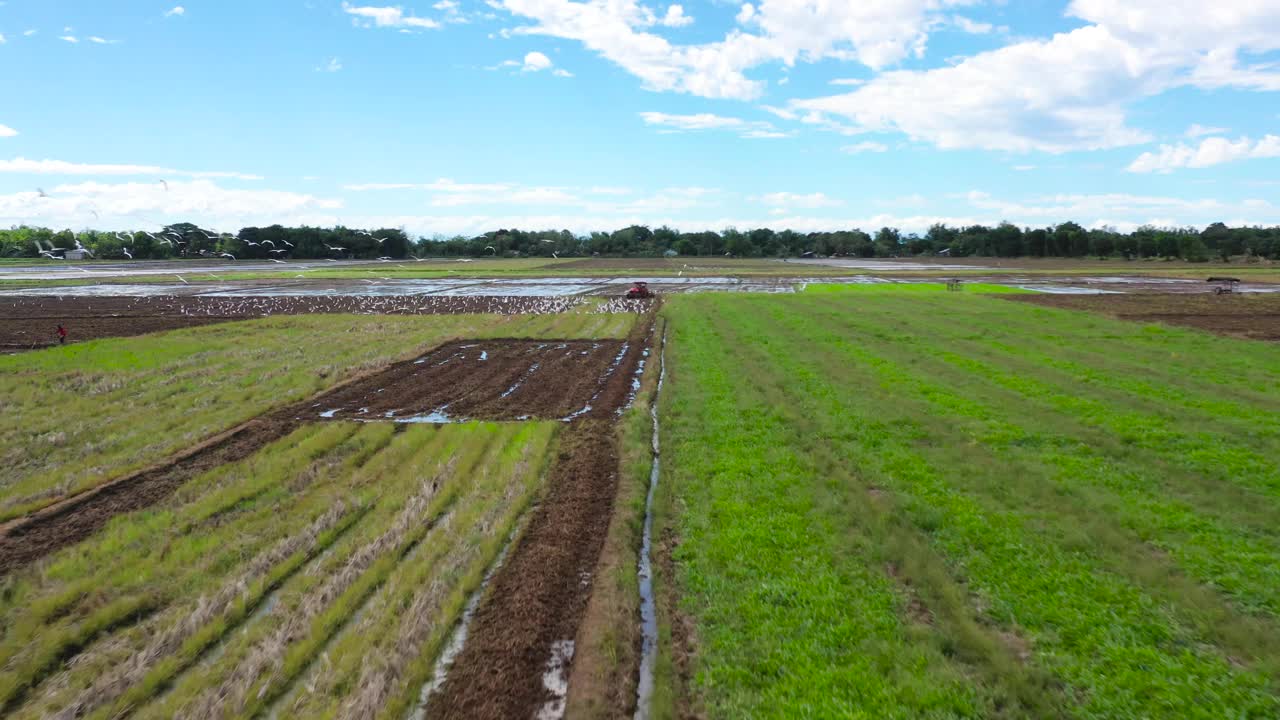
(1255, 315)
(540, 595)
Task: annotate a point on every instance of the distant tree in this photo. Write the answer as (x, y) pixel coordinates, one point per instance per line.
(888, 242)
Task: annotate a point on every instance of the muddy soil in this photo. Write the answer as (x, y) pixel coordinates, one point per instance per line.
(33, 334)
(1254, 315)
(28, 323)
(489, 380)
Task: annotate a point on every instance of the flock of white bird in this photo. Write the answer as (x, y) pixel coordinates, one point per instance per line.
(263, 305)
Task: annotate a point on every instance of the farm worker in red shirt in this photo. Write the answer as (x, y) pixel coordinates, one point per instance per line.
(62, 335)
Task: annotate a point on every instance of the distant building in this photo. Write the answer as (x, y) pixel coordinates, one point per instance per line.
(75, 254)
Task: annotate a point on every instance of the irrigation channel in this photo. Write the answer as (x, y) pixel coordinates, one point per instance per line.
(648, 610)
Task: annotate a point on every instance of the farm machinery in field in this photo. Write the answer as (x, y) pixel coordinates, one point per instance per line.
(639, 291)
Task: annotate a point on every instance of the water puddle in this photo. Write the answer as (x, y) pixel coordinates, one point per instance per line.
(635, 383)
(648, 609)
(436, 417)
(532, 369)
(556, 680)
(330, 413)
(1068, 290)
(459, 637)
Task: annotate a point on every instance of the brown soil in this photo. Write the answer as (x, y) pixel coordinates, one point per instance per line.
(28, 323)
(487, 379)
(1248, 315)
(541, 594)
(473, 387)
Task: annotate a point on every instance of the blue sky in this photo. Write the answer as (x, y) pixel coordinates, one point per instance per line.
(459, 116)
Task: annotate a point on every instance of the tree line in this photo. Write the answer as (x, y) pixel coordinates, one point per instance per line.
(1067, 240)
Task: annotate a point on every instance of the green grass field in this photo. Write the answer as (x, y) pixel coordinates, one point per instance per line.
(948, 505)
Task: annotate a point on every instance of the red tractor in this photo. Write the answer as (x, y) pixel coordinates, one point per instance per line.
(639, 291)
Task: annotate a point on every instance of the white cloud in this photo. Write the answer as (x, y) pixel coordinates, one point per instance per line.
(178, 11)
(334, 65)
(441, 185)
(864, 147)
(446, 193)
(851, 82)
(535, 61)
(1071, 91)
(561, 72)
(783, 113)
(7, 132)
(1197, 130)
(811, 201)
(98, 40)
(62, 167)
(69, 38)
(133, 205)
(389, 17)
(876, 34)
(675, 17)
(700, 121)
(2, 40)
(126, 205)
(1212, 151)
(29, 33)
(1024, 168)
(709, 121)
(1063, 94)
(964, 24)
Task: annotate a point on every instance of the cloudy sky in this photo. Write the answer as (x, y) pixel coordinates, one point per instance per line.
(458, 116)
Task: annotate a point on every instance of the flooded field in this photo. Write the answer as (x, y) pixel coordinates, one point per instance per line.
(568, 287)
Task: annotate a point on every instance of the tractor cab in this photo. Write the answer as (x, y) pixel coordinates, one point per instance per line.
(639, 291)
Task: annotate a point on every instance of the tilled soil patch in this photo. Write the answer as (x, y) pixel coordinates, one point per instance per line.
(1247, 315)
(493, 380)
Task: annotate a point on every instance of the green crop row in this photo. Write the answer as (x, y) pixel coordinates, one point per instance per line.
(1038, 547)
(238, 582)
